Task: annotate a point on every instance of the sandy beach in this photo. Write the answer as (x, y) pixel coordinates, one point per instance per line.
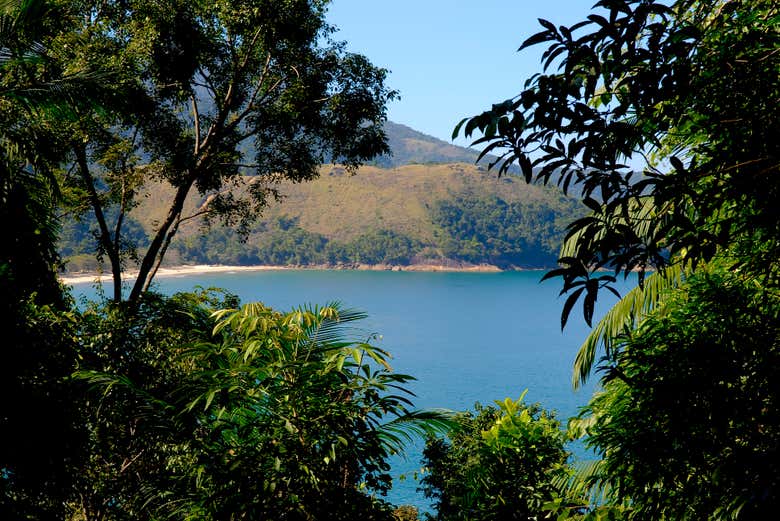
(204, 269)
(175, 271)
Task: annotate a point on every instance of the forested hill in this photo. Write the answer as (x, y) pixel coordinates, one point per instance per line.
(427, 204)
(445, 213)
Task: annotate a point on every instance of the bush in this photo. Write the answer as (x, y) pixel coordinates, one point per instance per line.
(497, 464)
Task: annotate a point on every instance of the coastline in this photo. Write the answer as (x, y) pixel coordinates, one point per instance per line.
(204, 269)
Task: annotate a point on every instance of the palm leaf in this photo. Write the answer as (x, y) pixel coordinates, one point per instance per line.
(156, 413)
(21, 32)
(624, 316)
(412, 425)
(587, 487)
(641, 217)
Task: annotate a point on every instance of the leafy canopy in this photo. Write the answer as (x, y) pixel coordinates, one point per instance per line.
(203, 95)
(687, 422)
(498, 463)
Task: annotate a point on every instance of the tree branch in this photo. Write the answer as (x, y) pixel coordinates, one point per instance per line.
(105, 234)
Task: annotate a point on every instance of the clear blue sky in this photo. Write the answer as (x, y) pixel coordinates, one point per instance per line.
(449, 59)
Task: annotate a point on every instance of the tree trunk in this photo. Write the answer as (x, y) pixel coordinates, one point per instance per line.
(155, 248)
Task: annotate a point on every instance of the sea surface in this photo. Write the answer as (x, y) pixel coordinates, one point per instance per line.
(466, 337)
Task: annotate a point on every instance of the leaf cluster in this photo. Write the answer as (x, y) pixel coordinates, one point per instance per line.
(693, 387)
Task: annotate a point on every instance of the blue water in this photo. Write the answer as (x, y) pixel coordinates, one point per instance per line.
(466, 337)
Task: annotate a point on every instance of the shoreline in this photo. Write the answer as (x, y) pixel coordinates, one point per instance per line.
(206, 269)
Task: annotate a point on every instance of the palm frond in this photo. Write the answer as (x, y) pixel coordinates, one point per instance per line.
(330, 327)
(21, 37)
(154, 411)
(412, 425)
(588, 487)
(625, 315)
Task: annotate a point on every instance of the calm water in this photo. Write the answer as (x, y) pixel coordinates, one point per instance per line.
(466, 337)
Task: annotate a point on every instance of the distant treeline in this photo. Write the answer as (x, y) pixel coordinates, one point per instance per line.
(476, 230)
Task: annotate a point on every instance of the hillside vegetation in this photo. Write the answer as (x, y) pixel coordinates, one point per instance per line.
(419, 213)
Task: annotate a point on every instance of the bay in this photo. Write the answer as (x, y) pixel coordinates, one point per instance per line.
(466, 337)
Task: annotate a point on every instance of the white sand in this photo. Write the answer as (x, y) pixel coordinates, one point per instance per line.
(201, 269)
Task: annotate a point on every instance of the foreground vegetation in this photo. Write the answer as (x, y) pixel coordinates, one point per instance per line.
(191, 406)
(194, 406)
(686, 422)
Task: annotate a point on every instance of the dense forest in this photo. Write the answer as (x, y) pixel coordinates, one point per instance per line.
(198, 406)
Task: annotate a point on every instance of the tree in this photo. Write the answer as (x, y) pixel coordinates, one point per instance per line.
(208, 93)
(32, 88)
(692, 87)
(498, 464)
(688, 422)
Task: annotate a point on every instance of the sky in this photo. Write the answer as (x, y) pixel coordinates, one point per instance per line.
(449, 59)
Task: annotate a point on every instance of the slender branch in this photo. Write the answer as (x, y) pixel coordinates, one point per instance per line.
(251, 102)
(248, 54)
(105, 235)
(225, 108)
(196, 117)
(207, 82)
(127, 463)
(123, 196)
(194, 215)
(120, 218)
(161, 256)
(241, 165)
(218, 123)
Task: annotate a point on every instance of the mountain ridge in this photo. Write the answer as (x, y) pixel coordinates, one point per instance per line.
(409, 146)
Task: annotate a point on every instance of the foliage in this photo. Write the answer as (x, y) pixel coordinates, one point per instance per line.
(39, 421)
(131, 449)
(507, 234)
(297, 247)
(692, 86)
(406, 513)
(40, 424)
(497, 464)
(686, 422)
(584, 494)
(28, 257)
(624, 316)
(267, 414)
(694, 387)
(78, 239)
(376, 247)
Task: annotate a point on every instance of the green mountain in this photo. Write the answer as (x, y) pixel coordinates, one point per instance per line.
(426, 206)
